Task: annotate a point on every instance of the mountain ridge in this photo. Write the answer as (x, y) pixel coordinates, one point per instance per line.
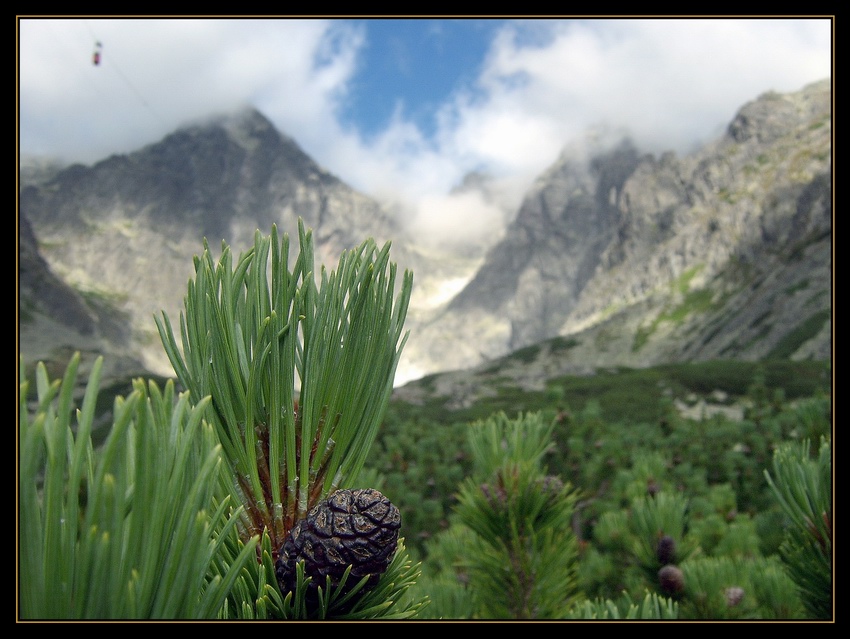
(658, 246)
(631, 259)
(125, 229)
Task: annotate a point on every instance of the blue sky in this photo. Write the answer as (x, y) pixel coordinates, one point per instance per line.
(402, 109)
(409, 67)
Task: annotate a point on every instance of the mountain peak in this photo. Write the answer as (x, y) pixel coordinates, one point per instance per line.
(247, 124)
(631, 260)
(249, 130)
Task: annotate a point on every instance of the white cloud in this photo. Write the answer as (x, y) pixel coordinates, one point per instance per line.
(157, 74)
(457, 220)
(672, 83)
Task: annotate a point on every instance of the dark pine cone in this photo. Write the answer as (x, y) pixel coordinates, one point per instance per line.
(672, 580)
(665, 551)
(351, 527)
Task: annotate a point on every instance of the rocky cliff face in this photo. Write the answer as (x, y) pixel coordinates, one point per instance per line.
(627, 259)
(551, 251)
(641, 260)
(55, 319)
(125, 229)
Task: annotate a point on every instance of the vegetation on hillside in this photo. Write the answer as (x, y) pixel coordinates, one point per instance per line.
(278, 481)
(641, 472)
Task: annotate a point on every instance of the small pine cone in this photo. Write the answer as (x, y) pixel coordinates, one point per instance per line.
(652, 487)
(671, 579)
(552, 484)
(665, 551)
(351, 527)
(734, 595)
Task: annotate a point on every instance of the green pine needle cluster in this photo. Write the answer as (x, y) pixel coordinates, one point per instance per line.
(299, 372)
(802, 483)
(129, 531)
(651, 607)
(521, 520)
(182, 512)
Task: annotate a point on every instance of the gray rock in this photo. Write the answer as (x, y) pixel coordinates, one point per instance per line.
(723, 253)
(629, 258)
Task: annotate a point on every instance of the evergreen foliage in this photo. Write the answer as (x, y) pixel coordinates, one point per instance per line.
(593, 499)
(698, 481)
(803, 486)
(189, 502)
(299, 375)
(131, 531)
(651, 607)
(519, 554)
(733, 588)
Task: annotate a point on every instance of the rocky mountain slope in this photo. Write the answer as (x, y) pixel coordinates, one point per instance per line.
(625, 258)
(57, 319)
(641, 260)
(123, 231)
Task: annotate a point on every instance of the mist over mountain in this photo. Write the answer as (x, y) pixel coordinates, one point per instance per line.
(629, 259)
